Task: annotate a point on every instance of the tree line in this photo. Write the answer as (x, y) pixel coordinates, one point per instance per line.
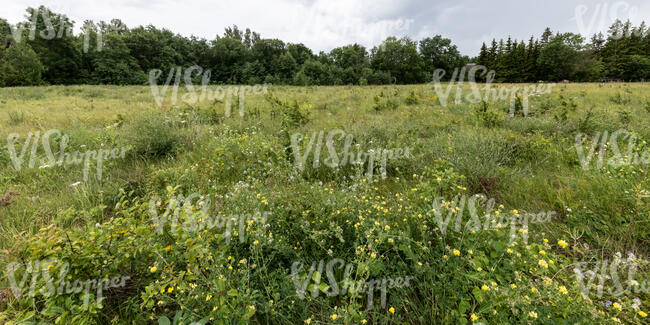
(44, 50)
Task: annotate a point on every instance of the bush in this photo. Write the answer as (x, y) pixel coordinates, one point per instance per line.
(151, 136)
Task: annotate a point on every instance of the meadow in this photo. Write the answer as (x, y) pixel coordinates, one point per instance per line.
(243, 246)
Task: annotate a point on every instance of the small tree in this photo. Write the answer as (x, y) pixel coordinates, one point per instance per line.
(21, 66)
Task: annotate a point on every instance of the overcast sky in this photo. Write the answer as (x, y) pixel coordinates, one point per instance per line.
(325, 24)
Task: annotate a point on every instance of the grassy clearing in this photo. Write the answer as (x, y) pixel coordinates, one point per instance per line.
(384, 227)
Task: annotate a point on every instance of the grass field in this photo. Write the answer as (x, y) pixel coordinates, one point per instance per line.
(384, 227)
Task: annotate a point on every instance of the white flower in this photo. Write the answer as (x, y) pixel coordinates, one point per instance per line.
(75, 184)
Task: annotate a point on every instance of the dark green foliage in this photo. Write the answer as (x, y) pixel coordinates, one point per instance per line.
(112, 53)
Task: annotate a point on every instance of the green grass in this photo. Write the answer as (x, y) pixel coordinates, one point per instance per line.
(245, 164)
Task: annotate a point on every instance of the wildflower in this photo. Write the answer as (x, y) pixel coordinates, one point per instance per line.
(470, 252)
(479, 269)
(168, 248)
(543, 263)
(373, 255)
(473, 318)
(485, 288)
(642, 314)
(170, 289)
(533, 290)
(308, 321)
(419, 263)
(256, 242)
(50, 266)
(617, 306)
(208, 297)
(153, 269)
(563, 290)
(391, 310)
(545, 241)
(514, 286)
(387, 228)
(363, 321)
(562, 243)
(509, 250)
(456, 252)
(334, 316)
(532, 314)
(542, 252)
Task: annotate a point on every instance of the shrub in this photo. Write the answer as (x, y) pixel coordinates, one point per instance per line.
(151, 136)
(412, 98)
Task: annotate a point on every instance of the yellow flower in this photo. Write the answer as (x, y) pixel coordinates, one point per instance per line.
(545, 240)
(473, 318)
(256, 242)
(387, 227)
(562, 243)
(363, 321)
(170, 289)
(543, 263)
(456, 252)
(208, 297)
(617, 306)
(532, 314)
(308, 321)
(509, 250)
(419, 263)
(50, 266)
(533, 290)
(334, 316)
(515, 212)
(470, 252)
(542, 252)
(563, 290)
(391, 310)
(642, 314)
(479, 269)
(514, 286)
(153, 269)
(485, 288)
(373, 255)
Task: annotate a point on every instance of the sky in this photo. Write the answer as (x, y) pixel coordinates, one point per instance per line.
(325, 24)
